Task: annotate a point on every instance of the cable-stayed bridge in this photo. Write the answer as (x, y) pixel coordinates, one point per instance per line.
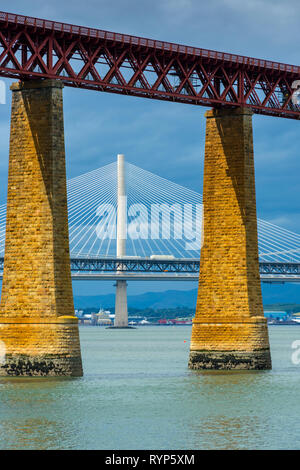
(164, 222)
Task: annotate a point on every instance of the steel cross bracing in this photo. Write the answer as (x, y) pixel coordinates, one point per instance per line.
(171, 266)
(135, 265)
(32, 48)
(116, 266)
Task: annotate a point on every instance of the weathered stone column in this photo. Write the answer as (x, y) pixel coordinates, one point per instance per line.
(229, 330)
(37, 324)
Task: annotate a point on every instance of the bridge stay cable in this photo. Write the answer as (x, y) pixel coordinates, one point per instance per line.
(279, 248)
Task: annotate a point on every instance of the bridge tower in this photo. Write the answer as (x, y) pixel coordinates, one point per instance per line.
(229, 330)
(38, 329)
(121, 312)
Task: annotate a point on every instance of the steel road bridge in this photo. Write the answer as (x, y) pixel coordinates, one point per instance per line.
(148, 269)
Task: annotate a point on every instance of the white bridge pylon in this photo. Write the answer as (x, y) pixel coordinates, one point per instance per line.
(163, 219)
(121, 311)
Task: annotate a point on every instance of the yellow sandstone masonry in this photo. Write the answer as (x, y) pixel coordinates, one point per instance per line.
(37, 323)
(229, 330)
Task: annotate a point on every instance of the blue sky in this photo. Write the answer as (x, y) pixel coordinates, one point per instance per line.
(168, 138)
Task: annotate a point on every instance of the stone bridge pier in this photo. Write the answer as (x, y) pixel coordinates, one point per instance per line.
(38, 329)
(229, 330)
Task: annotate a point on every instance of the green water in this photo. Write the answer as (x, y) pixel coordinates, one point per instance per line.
(137, 393)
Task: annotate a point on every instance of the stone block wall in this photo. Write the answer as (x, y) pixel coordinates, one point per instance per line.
(37, 323)
(229, 330)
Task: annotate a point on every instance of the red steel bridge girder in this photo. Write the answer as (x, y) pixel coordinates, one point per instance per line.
(32, 48)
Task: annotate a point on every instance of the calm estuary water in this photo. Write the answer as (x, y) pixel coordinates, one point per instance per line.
(137, 393)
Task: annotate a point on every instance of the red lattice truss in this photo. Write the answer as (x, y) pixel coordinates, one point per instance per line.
(32, 48)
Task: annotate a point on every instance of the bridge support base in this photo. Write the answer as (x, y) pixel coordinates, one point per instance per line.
(41, 349)
(229, 330)
(259, 360)
(121, 328)
(38, 331)
(121, 312)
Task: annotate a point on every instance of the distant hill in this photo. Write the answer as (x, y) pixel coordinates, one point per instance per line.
(155, 300)
(272, 294)
(281, 293)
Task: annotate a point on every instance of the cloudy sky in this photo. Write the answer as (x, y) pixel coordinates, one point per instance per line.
(168, 138)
